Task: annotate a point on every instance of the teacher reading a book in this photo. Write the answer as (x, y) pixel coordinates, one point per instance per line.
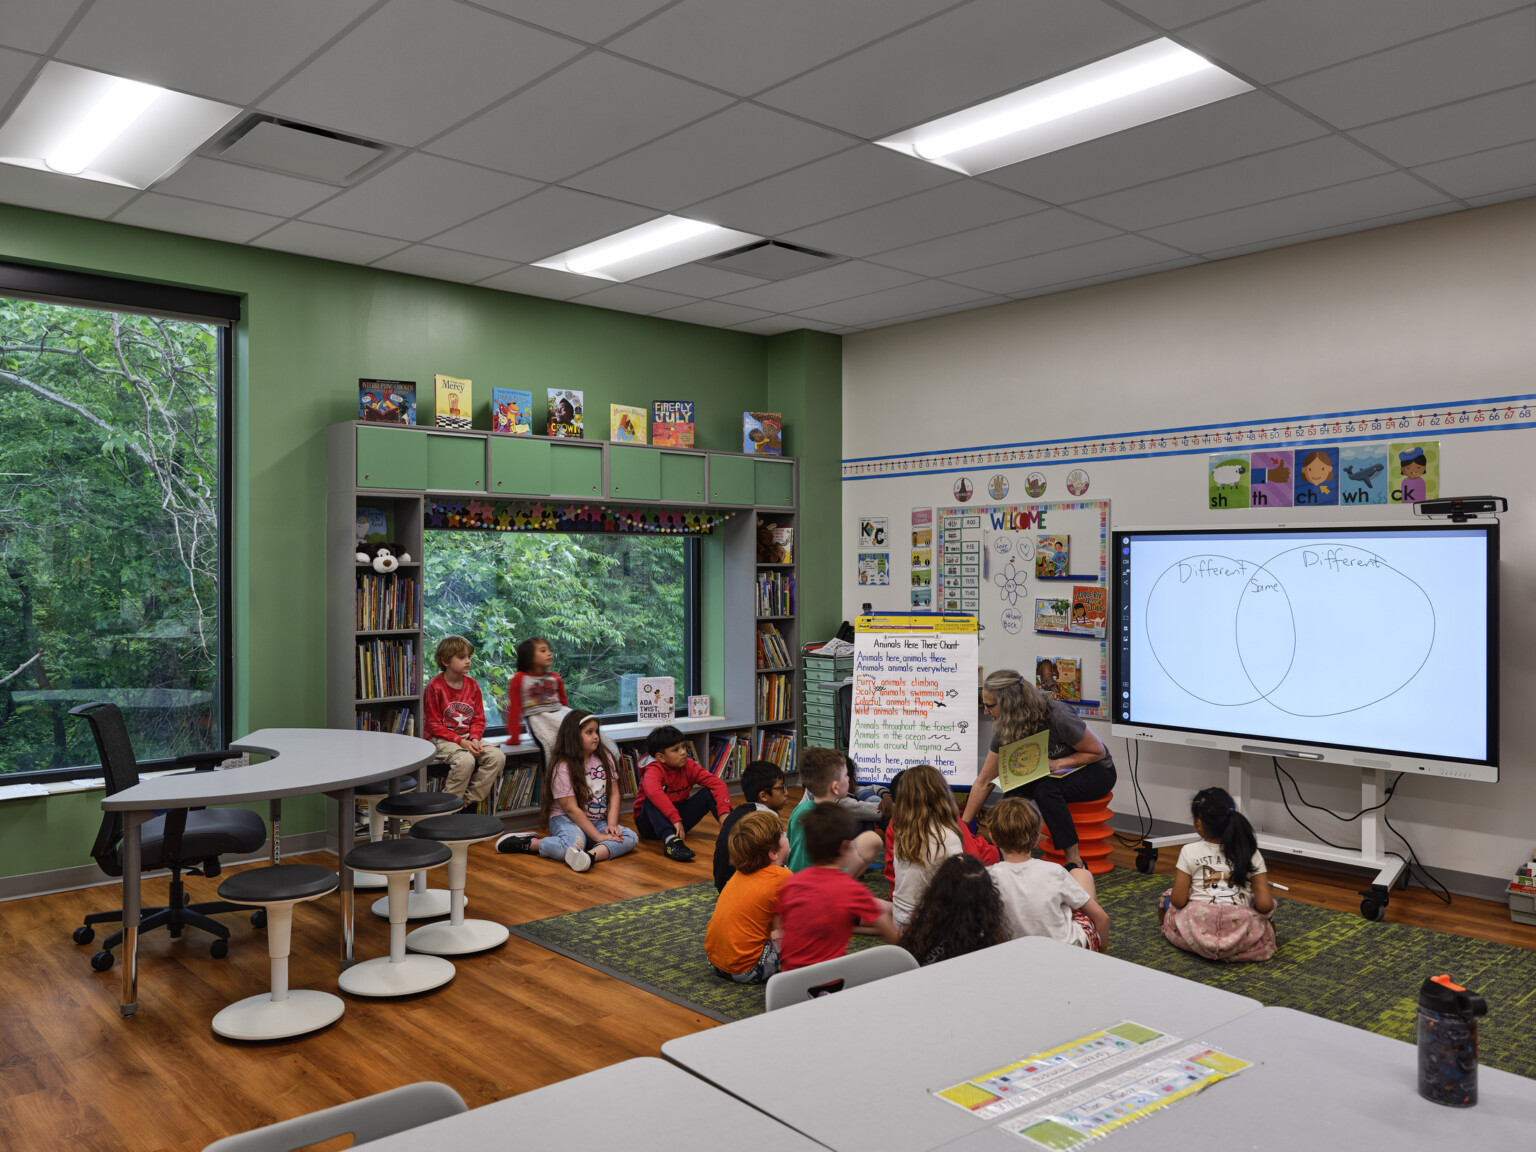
(1080, 767)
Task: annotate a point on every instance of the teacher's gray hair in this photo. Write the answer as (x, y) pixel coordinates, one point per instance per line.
(1022, 709)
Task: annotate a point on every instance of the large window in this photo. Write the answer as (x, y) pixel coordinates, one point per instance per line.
(110, 531)
(614, 607)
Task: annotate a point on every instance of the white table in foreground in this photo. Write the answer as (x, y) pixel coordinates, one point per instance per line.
(646, 1105)
(932, 1028)
(1318, 1085)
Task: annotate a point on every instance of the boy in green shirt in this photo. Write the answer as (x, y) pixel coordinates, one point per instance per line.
(824, 772)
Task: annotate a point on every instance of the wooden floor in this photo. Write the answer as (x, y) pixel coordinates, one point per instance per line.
(74, 1074)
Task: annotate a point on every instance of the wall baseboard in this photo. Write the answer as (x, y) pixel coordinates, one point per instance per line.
(90, 876)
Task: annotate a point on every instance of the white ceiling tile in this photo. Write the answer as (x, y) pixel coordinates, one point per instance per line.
(1177, 13)
(14, 67)
(531, 281)
(1114, 254)
(1314, 164)
(968, 54)
(949, 309)
(415, 68)
(549, 221)
(590, 111)
(1226, 130)
(237, 186)
(1337, 230)
(589, 20)
(1109, 277)
(194, 218)
(858, 178)
(441, 264)
(1465, 62)
(851, 278)
(1362, 200)
(1013, 239)
(698, 280)
(715, 313)
(1484, 173)
(32, 188)
(33, 25)
(923, 296)
(1456, 129)
(937, 212)
(774, 325)
(1503, 197)
(420, 196)
(306, 239)
(1280, 38)
(228, 51)
(744, 46)
(628, 298)
(729, 149)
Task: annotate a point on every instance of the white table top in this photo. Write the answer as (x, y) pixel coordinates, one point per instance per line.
(854, 1070)
(1318, 1085)
(643, 1105)
(304, 761)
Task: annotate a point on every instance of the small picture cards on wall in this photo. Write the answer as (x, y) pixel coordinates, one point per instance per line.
(386, 401)
(922, 557)
(455, 403)
(762, 433)
(672, 423)
(698, 706)
(626, 424)
(874, 568)
(1326, 476)
(565, 413)
(511, 411)
(655, 698)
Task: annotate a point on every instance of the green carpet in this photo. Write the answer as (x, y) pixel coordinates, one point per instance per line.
(1332, 964)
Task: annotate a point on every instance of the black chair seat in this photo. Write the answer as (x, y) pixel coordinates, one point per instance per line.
(210, 832)
(381, 787)
(459, 826)
(398, 856)
(418, 804)
(278, 883)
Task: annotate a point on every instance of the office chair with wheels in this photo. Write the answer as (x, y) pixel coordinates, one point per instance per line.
(181, 840)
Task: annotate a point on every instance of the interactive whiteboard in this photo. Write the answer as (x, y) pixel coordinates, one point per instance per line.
(1368, 645)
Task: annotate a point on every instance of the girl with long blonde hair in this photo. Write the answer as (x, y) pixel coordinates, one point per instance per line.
(924, 835)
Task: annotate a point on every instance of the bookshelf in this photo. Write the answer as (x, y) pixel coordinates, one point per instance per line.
(398, 469)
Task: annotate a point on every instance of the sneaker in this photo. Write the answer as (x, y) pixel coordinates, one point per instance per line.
(515, 843)
(578, 859)
(675, 849)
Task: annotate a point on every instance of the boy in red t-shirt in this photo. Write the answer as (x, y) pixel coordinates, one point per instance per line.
(822, 905)
(455, 721)
(666, 806)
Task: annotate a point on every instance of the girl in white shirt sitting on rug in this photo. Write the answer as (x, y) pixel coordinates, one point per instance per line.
(1220, 905)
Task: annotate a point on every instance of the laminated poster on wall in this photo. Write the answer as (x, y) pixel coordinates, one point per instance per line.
(874, 568)
(922, 557)
(655, 699)
(874, 532)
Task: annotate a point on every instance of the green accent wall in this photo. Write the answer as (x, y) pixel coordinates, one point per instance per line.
(310, 328)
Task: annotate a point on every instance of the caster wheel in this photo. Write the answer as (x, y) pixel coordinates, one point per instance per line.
(219, 949)
(259, 918)
(1146, 860)
(1372, 910)
(102, 962)
(84, 934)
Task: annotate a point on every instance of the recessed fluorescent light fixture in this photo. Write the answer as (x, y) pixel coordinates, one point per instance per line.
(99, 127)
(650, 247)
(1134, 87)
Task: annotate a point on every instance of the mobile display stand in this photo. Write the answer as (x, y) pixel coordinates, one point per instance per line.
(1370, 854)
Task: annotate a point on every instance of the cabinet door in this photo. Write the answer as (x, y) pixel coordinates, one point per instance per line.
(455, 463)
(634, 474)
(731, 479)
(519, 467)
(682, 477)
(575, 470)
(775, 483)
(391, 458)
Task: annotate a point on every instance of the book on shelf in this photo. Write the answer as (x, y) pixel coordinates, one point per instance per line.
(773, 697)
(387, 602)
(512, 411)
(400, 721)
(455, 403)
(1088, 610)
(730, 754)
(762, 433)
(1061, 677)
(565, 413)
(1052, 556)
(386, 401)
(672, 423)
(779, 748)
(772, 651)
(775, 594)
(626, 424)
(785, 539)
(387, 668)
(372, 525)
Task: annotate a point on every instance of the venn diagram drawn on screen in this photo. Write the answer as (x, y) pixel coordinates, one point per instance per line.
(1316, 630)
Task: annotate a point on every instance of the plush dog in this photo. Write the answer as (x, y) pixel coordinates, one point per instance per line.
(383, 557)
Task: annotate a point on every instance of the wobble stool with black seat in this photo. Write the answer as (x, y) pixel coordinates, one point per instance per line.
(456, 936)
(397, 974)
(369, 796)
(280, 1012)
(424, 903)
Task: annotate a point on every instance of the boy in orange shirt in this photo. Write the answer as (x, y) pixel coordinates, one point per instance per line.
(742, 941)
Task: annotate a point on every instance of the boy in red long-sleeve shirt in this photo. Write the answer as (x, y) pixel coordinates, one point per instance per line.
(667, 806)
(455, 721)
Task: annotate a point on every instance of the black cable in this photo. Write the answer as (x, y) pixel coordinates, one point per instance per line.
(1319, 808)
(1298, 819)
(1426, 877)
(1144, 825)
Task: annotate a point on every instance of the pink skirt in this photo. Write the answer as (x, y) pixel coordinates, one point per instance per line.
(1225, 932)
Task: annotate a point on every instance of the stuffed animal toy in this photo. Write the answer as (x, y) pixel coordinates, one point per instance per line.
(768, 550)
(383, 557)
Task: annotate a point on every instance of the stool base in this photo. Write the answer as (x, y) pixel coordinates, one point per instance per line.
(362, 880)
(446, 939)
(378, 977)
(422, 906)
(262, 1018)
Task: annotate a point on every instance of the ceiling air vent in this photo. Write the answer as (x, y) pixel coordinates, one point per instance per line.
(299, 151)
(771, 260)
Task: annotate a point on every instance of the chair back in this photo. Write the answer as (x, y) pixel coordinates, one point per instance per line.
(370, 1118)
(121, 771)
(814, 980)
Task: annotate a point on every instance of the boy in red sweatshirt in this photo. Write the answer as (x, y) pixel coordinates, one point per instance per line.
(455, 721)
(664, 808)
